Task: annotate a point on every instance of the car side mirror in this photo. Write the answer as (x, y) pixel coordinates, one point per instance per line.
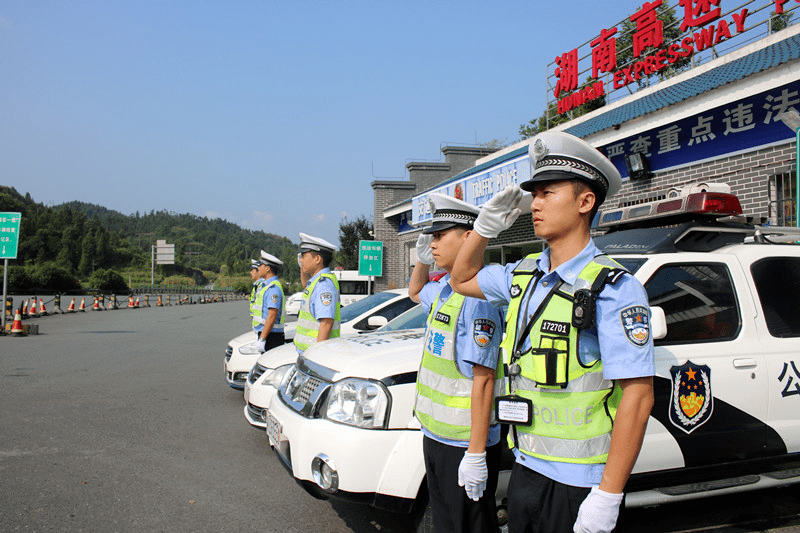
(658, 322)
(376, 321)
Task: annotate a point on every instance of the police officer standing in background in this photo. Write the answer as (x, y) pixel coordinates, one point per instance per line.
(254, 264)
(319, 315)
(577, 348)
(457, 380)
(270, 301)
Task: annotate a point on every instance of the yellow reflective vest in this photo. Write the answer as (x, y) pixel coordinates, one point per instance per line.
(573, 405)
(307, 325)
(443, 404)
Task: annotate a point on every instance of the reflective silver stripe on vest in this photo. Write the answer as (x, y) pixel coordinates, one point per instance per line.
(591, 382)
(456, 387)
(447, 414)
(528, 264)
(553, 447)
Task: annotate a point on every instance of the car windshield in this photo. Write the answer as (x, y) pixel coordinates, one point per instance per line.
(411, 319)
(349, 312)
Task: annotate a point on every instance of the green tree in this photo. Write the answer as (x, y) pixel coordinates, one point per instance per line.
(551, 118)
(350, 233)
(108, 280)
(53, 277)
(780, 22)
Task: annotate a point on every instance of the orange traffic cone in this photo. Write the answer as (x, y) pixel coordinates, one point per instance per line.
(96, 305)
(159, 303)
(25, 308)
(42, 310)
(82, 308)
(136, 305)
(130, 302)
(16, 326)
(71, 308)
(33, 311)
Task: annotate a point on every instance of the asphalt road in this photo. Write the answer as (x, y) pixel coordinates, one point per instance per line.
(122, 421)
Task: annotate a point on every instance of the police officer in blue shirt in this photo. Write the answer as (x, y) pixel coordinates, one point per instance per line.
(254, 264)
(270, 301)
(457, 381)
(578, 350)
(319, 317)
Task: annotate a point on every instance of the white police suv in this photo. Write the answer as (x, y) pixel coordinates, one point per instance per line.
(723, 295)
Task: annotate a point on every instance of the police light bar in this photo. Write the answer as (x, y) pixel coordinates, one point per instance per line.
(696, 201)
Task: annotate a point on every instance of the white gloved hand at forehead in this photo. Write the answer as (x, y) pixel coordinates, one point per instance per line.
(424, 252)
(499, 213)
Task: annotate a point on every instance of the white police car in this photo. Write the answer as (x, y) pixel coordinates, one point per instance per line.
(364, 315)
(723, 299)
(266, 375)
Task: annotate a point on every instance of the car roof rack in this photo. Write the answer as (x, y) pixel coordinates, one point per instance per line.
(693, 236)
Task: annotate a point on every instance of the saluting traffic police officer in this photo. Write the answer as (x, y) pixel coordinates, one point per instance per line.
(457, 380)
(319, 315)
(578, 349)
(269, 303)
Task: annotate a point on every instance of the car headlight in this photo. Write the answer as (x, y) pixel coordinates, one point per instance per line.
(249, 349)
(358, 402)
(274, 379)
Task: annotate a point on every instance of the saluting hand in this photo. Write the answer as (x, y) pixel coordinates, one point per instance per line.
(499, 213)
(424, 252)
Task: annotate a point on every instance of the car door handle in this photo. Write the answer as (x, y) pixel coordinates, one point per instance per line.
(744, 363)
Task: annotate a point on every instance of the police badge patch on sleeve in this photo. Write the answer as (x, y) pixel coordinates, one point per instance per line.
(326, 298)
(275, 298)
(482, 332)
(636, 323)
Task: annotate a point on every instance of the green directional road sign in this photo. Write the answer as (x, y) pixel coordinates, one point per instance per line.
(9, 234)
(370, 258)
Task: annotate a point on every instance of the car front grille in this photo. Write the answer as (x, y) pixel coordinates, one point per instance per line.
(302, 392)
(228, 353)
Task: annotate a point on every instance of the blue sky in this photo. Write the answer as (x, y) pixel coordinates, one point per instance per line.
(274, 115)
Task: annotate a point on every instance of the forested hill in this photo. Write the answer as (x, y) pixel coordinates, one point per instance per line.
(199, 241)
(84, 237)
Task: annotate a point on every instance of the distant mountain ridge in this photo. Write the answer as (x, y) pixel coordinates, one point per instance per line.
(86, 236)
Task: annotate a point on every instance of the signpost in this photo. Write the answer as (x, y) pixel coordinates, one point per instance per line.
(9, 242)
(161, 254)
(370, 260)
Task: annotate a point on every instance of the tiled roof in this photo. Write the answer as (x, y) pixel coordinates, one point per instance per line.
(765, 58)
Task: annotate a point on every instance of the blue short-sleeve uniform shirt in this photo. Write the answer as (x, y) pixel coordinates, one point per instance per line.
(622, 358)
(467, 351)
(325, 297)
(273, 299)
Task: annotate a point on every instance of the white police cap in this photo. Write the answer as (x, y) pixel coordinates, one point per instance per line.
(254, 264)
(315, 244)
(270, 260)
(559, 156)
(449, 212)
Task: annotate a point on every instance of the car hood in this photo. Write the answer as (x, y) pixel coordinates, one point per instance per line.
(279, 356)
(371, 355)
(244, 338)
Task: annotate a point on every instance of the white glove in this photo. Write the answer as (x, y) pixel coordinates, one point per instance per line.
(499, 213)
(598, 512)
(261, 345)
(424, 252)
(472, 474)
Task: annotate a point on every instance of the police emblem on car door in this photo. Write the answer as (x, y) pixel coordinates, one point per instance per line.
(692, 403)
